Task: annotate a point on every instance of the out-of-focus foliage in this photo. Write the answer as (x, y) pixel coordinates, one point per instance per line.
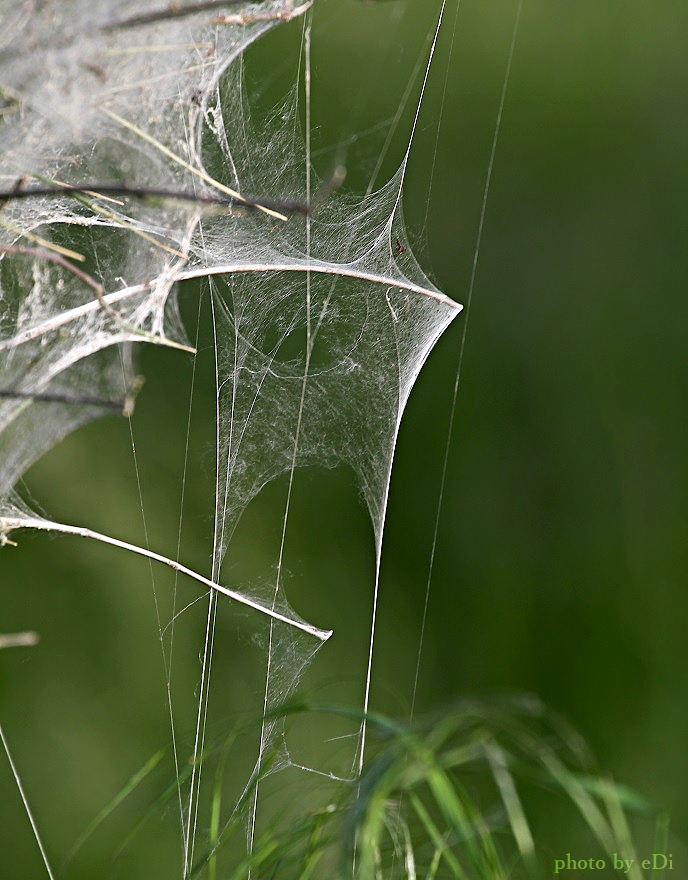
(561, 563)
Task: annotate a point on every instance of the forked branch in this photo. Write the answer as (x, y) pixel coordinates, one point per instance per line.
(52, 257)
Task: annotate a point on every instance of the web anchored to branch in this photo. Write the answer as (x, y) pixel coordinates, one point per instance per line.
(321, 323)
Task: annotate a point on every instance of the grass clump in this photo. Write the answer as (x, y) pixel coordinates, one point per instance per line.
(490, 790)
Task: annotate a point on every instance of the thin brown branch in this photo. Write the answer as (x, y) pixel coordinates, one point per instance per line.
(51, 257)
(174, 10)
(143, 193)
(118, 406)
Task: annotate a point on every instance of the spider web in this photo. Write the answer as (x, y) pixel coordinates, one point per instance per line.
(321, 324)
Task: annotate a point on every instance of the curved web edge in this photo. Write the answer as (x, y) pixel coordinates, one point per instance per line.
(369, 319)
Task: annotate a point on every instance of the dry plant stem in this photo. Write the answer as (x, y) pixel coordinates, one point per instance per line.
(178, 11)
(10, 523)
(124, 407)
(65, 318)
(118, 406)
(38, 253)
(250, 17)
(166, 13)
(344, 271)
(97, 190)
(165, 151)
(49, 256)
(18, 640)
(40, 241)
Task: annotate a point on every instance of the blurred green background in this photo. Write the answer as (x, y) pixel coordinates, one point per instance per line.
(562, 553)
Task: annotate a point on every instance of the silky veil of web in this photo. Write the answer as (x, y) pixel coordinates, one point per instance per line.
(322, 318)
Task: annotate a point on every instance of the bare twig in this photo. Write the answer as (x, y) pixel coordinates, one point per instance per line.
(119, 406)
(102, 300)
(143, 193)
(18, 640)
(10, 523)
(174, 10)
(52, 257)
(244, 18)
(123, 406)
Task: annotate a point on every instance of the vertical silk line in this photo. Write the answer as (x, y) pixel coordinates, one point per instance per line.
(173, 617)
(221, 500)
(25, 801)
(380, 528)
(440, 115)
(307, 30)
(445, 462)
(201, 715)
(397, 116)
(462, 345)
(419, 106)
(166, 658)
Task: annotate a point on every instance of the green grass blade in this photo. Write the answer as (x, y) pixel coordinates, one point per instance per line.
(661, 841)
(514, 809)
(123, 793)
